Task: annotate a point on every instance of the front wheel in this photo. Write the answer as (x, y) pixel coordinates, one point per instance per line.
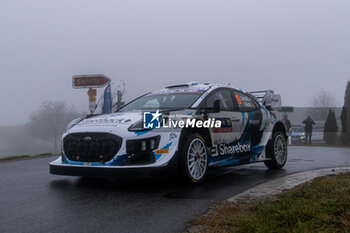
(193, 164)
(277, 151)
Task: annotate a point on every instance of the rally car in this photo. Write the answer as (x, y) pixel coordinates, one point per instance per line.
(187, 127)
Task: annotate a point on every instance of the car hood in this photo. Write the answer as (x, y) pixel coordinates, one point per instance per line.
(115, 122)
(114, 119)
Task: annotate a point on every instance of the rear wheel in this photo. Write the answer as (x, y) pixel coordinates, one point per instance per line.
(277, 151)
(193, 164)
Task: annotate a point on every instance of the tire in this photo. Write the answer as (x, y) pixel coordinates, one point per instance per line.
(277, 151)
(193, 160)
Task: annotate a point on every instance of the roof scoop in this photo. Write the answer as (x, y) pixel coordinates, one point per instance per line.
(193, 83)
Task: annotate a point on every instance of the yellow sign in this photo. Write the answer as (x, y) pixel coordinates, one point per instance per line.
(92, 95)
(92, 92)
(92, 99)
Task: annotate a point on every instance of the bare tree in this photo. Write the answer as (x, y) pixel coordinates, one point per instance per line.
(117, 96)
(321, 103)
(50, 121)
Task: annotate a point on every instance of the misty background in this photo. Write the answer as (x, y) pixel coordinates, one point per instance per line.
(293, 47)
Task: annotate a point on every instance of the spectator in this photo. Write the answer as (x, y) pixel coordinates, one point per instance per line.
(308, 128)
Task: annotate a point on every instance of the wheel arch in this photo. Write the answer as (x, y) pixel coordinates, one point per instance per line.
(188, 131)
(280, 127)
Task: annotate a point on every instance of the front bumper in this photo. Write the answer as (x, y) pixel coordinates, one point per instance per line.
(59, 168)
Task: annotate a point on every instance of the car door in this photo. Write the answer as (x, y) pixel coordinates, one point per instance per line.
(252, 119)
(223, 138)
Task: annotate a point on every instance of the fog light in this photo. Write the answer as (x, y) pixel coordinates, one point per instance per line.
(143, 145)
(152, 144)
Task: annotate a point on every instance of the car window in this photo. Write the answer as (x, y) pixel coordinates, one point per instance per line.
(153, 103)
(224, 96)
(162, 101)
(245, 103)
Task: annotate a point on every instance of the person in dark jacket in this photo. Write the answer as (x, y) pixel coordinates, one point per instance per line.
(308, 128)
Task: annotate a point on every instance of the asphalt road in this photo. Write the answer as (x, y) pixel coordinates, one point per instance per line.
(32, 200)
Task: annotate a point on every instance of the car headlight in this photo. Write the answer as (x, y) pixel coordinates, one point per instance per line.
(138, 126)
(142, 145)
(72, 123)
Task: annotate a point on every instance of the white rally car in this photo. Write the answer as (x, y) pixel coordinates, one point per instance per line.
(188, 127)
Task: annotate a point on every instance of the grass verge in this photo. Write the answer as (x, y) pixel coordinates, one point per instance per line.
(322, 205)
(21, 157)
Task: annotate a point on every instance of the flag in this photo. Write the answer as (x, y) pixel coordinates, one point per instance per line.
(107, 100)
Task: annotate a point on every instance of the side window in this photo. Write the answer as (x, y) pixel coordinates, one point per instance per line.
(224, 96)
(245, 103)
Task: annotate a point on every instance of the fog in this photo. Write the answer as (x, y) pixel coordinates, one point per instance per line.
(293, 47)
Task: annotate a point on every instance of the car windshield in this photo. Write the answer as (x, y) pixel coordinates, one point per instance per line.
(162, 101)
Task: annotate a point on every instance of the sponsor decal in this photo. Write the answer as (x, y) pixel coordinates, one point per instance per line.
(172, 136)
(222, 130)
(103, 121)
(238, 99)
(224, 149)
(226, 126)
(139, 133)
(87, 139)
(162, 151)
(194, 90)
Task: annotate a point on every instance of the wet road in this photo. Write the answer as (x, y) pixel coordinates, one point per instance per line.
(32, 200)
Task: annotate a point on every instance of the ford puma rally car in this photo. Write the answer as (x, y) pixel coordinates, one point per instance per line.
(190, 127)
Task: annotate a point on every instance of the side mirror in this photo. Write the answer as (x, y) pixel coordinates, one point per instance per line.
(217, 106)
(204, 114)
(268, 107)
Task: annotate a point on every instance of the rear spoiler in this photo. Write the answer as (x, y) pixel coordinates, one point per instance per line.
(268, 98)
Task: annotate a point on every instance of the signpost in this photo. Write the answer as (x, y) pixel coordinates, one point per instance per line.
(90, 81)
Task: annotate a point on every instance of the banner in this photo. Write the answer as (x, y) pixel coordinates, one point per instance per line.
(107, 100)
(104, 104)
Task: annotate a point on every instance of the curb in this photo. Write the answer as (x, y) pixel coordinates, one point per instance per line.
(25, 157)
(277, 186)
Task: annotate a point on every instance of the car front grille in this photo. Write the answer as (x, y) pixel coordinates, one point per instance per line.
(91, 147)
